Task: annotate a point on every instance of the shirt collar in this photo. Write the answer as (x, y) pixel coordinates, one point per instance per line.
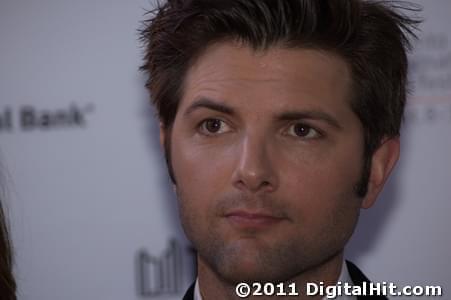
(197, 295)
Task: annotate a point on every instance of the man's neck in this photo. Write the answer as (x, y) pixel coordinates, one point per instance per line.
(213, 287)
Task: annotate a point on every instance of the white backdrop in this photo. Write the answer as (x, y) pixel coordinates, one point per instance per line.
(92, 212)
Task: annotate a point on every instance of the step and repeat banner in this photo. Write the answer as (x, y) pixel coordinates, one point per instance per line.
(90, 206)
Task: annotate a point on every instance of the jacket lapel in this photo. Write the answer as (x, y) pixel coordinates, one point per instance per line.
(358, 278)
(189, 295)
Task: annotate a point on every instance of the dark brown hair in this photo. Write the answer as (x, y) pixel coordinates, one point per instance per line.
(7, 282)
(371, 36)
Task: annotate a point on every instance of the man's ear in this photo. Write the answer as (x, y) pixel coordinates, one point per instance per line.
(382, 163)
(162, 135)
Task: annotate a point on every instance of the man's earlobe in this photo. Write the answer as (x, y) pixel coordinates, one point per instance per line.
(382, 163)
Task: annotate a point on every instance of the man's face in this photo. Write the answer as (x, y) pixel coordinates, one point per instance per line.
(266, 152)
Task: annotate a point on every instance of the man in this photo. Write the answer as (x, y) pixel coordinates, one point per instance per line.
(279, 120)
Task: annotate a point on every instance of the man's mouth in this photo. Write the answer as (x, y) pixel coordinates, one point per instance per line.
(252, 219)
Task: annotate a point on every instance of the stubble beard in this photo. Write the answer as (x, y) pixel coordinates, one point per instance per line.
(254, 260)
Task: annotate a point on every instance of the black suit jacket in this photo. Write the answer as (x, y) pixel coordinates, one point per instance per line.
(358, 278)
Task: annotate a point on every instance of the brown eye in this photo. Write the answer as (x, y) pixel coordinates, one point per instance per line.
(303, 131)
(213, 126)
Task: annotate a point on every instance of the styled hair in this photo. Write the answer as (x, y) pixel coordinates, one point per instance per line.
(372, 37)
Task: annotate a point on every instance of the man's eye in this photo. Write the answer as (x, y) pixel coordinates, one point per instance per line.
(213, 126)
(303, 131)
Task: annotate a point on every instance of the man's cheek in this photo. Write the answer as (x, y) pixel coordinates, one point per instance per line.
(198, 163)
(196, 200)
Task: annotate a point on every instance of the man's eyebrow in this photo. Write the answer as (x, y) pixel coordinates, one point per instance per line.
(309, 114)
(209, 104)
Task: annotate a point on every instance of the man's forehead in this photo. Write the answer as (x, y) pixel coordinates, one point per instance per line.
(229, 58)
(284, 77)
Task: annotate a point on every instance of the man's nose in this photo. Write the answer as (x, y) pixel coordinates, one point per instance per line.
(254, 171)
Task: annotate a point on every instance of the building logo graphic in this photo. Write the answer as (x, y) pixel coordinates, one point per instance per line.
(163, 274)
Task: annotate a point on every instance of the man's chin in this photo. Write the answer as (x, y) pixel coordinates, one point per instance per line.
(248, 263)
(246, 272)
(242, 270)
